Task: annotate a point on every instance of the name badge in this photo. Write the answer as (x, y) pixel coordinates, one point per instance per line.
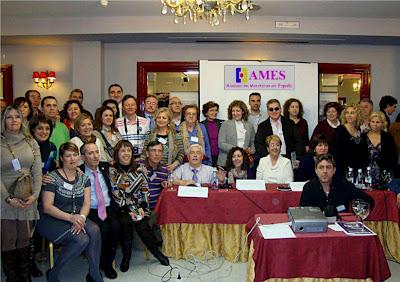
(194, 139)
(43, 164)
(16, 165)
(162, 140)
(340, 208)
(153, 176)
(68, 186)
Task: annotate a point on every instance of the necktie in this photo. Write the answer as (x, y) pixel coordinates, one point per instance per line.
(101, 207)
(194, 178)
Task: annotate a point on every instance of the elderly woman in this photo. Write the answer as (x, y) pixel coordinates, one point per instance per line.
(106, 131)
(380, 147)
(236, 131)
(64, 208)
(72, 109)
(212, 124)
(327, 126)
(347, 146)
(194, 132)
(274, 168)
(84, 127)
(164, 132)
(293, 109)
(130, 201)
(20, 187)
(318, 146)
(237, 166)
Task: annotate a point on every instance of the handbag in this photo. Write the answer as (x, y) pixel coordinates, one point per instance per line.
(22, 187)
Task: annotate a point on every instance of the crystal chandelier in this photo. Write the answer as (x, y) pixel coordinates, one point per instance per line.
(211, 10)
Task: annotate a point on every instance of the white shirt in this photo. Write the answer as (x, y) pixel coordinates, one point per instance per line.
(282, 172)
(135, 131)
(78, 142)
(278, 130)
(240, 133)
(184, 172)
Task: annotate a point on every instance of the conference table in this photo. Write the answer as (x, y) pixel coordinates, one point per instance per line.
(313, 256)
(217, 225)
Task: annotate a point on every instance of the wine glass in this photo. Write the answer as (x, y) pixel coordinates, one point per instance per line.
(360, 208)
(170, 181)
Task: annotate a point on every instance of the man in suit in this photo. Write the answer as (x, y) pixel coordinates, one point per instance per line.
(388, 105)
(100, 210)
(281, 126)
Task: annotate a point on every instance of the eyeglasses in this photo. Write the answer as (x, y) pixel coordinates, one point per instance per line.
(276, 109)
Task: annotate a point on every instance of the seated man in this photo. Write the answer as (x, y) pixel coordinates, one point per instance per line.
(193, 172)
(327, 190)
(100, 211)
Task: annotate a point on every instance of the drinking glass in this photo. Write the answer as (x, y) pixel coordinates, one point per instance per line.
(360, 208)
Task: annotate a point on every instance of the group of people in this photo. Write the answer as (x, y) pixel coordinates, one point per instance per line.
(94, 180)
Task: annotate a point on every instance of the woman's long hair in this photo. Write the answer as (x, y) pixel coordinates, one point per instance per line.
(229, 163)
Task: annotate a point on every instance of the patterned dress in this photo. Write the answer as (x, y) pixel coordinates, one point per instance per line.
(373, 159)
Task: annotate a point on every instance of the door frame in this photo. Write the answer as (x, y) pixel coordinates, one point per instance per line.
(8, 91)
(145, 67)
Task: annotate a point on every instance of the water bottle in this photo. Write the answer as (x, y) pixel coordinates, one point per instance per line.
(170, 181)
(214, 180)
(359, 179)
(350, 175)
(368, 178)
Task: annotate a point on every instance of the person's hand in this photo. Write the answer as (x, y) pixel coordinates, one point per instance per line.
(165, 184)
(141, 212)
(47, 179)
(28, 201)
(296, 164)
(171, 167)
(75, 229)
(77, 221)
(248, 150)
(16, 203)
(79, 171)
(398, 200)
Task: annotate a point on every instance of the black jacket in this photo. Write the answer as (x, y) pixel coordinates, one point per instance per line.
(290, 132)
(341, 193)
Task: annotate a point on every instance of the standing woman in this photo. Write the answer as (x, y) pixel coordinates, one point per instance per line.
(113, 105)
(194, 132)
(20, 157)
(212, 124)
(293, 109)
(64, 208)
(106, 132)
(130, 200)
(347, 146)
(25, 107)
(72, 109)
(274, 168)
(380, 146)
(332, 111)
(84, 127)
(236, 131)
(165, 133)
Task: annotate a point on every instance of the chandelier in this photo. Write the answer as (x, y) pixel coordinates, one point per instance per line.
(211, 10)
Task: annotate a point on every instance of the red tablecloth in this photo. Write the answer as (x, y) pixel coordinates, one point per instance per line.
(238, 207)
(320, 255)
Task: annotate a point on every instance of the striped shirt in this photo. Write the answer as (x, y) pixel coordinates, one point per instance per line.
(154, 178)
(135, 131)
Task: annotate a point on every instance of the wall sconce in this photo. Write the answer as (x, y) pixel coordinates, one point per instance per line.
(44, 79)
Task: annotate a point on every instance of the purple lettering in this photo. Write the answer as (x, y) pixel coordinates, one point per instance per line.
(282, 75)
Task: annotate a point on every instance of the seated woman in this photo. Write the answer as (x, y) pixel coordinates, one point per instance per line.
(72, 109)
(319, 145)
(236, 131)
(130, 201)
(63, 211)
(194, 132)
(165, 133)
(84, 127)
(237, 166)
(380, 147)
(106, 131)
(274, 168)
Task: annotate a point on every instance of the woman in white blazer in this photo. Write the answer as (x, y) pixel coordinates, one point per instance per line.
(236, 131)
(274, 168)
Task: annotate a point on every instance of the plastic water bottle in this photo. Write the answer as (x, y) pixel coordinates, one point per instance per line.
(214, 180)
(350, 175)
(359, 179)
(368, 178)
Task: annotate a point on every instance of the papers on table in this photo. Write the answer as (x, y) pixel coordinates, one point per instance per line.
(335, 227)
(250, 184)
(277, 231)
(355, 228)
(297, 186)
(192, 192)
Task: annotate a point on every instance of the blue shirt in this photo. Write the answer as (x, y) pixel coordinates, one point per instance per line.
(93, 196)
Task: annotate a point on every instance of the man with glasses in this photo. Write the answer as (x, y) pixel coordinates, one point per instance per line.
(150, 108)
(175, 106)
(283, 127)
(327, 190)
